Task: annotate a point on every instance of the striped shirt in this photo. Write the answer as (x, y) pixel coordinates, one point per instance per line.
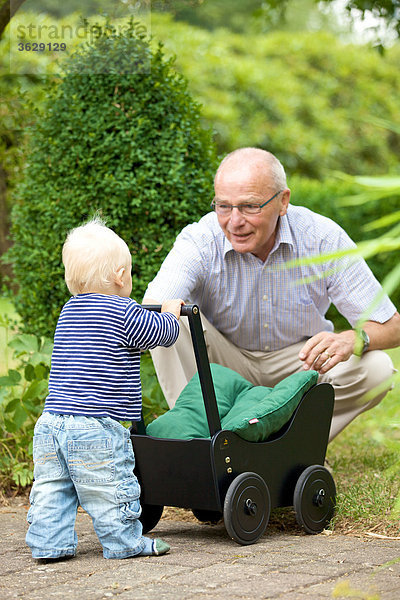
(263, 306)
(95, 365)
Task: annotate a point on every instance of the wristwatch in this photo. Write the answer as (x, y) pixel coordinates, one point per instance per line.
(365, 340)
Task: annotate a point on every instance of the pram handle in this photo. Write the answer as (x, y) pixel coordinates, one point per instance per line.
(192, 311)
(186, 309)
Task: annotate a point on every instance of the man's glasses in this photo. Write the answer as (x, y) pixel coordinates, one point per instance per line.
(248, 208)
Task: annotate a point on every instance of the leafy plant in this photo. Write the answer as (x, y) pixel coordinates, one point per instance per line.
(22, 393)
(306, 97)
(380, 190)
(372, 443)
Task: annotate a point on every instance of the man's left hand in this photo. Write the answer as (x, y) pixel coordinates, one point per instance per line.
(326, 349)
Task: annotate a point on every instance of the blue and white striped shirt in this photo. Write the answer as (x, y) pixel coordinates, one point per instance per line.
(95, 365)
(261, 306)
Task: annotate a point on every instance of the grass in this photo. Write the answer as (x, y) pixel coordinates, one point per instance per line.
(365, 459)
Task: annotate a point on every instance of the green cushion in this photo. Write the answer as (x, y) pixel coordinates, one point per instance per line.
(253, 412)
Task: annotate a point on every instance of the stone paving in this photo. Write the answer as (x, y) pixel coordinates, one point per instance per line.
(203, 564)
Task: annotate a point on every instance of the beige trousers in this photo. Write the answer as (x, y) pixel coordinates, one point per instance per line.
(359, 383)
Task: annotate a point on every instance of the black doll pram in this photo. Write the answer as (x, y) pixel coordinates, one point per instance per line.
(230, 477)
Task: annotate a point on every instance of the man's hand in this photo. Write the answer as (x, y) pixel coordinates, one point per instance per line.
(325, 350)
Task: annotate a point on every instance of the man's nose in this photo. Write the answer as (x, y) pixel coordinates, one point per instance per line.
(236, 216)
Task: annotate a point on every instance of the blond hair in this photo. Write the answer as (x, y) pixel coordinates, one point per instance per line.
(92, 254)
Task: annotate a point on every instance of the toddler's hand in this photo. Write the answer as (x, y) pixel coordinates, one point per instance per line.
(173, 306)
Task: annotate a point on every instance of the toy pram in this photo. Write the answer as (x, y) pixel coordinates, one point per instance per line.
(230, 477)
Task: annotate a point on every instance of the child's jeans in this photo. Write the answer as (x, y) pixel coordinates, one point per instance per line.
(83, 461)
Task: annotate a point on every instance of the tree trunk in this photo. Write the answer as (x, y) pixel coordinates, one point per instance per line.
(8, 8)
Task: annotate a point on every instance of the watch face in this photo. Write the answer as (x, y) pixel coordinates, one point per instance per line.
(359, 351)
(365, 338)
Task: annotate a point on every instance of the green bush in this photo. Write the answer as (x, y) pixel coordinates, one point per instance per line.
(306, 97)
(14, 117)
(309, 98)
(119, 134)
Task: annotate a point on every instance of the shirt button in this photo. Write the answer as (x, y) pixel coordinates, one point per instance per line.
(265, 297)
(266, 347)
(265, 325)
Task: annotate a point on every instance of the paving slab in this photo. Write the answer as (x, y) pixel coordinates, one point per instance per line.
(203, 564)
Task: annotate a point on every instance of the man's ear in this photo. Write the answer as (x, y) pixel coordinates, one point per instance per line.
(285, 202)
(118, 277)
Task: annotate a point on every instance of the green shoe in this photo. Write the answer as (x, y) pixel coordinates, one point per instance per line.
(160, 547)
(154, 547)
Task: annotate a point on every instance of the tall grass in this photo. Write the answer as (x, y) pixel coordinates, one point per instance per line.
(365, 459)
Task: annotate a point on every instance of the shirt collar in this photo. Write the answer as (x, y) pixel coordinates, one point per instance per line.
(284, 234)
(227, 245)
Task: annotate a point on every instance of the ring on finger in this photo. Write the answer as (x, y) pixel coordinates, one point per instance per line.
(327, 354)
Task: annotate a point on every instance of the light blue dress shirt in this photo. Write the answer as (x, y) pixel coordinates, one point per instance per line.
(266, 306)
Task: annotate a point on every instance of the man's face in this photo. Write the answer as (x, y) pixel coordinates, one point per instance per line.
(250, 233)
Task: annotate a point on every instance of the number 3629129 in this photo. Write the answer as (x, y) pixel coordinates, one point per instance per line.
(41, 46)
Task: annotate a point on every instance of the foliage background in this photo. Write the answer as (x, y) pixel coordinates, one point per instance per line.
(294, 83)
(119, 134)
(306, 97)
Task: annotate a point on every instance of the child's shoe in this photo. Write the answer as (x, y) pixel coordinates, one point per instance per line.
(154, 547)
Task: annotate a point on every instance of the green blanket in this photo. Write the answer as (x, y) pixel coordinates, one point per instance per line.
(253, 412)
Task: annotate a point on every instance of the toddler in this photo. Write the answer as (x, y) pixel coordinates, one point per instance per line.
(82, 454)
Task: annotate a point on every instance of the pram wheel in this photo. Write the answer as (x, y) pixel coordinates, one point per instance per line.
(151, 514)
(207, 516)
(314, 498)
(247, 508)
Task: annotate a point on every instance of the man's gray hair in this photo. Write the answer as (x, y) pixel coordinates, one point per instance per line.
(274, 166)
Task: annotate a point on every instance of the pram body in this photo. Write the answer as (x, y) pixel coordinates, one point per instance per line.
(228, 476)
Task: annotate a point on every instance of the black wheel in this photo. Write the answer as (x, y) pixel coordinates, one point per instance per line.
(151, 514)
(207, 516)
(247, 508)
(314, 498)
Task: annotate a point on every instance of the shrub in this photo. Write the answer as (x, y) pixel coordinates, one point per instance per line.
(13, 119)
(119, 134)
(306, 97)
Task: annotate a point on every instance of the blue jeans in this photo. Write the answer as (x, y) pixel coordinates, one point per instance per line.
(83, 461)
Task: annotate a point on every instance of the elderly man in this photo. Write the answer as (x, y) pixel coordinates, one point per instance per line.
(262, 316)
